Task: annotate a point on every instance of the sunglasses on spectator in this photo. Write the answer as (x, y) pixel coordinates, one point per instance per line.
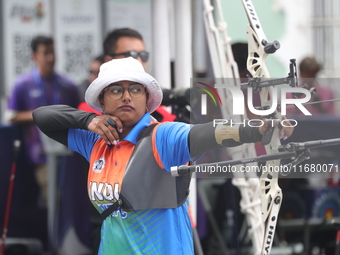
(144, 55)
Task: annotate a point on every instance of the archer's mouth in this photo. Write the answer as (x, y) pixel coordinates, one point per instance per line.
(126, 107)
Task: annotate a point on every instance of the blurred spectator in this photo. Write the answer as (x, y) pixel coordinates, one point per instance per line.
(93, 74)
(41, 86)
(308, 72)
(123, 43)
(94, 217)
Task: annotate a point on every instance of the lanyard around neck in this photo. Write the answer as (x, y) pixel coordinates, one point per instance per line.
(56, 86)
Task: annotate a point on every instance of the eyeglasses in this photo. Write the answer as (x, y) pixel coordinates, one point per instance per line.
(116, 91)
(144, 55)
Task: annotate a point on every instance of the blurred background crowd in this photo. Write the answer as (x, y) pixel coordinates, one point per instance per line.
(52, 50)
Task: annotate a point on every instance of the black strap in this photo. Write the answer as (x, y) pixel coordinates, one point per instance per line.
(111, 209)
(116, 205)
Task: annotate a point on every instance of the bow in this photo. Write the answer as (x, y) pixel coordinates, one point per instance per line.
(225, 68)
(259, 48)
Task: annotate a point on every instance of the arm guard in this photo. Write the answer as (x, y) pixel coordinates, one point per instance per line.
(205, 137)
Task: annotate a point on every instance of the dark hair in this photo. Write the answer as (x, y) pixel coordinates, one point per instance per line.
(99, 58)
(110, 42)
(40, 39)
(240, 52)
(310, 65)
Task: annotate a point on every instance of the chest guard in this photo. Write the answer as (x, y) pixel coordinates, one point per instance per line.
(145, 185)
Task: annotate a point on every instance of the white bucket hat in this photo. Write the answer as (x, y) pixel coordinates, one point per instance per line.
(124, 69)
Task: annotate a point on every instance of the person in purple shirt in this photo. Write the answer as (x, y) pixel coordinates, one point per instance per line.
(42, 86)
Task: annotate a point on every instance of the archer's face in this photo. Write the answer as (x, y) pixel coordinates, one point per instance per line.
(128, 108)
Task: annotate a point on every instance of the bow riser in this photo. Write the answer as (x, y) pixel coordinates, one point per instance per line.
(256, 55)
(271, 195)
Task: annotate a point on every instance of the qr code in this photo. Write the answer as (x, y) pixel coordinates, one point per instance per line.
(78, 51)
(22, 54)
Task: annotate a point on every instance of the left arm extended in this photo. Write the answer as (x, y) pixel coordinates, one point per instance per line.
(205, 137)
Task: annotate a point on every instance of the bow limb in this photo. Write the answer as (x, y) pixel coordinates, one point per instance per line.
(271, 195)
(225, 68)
